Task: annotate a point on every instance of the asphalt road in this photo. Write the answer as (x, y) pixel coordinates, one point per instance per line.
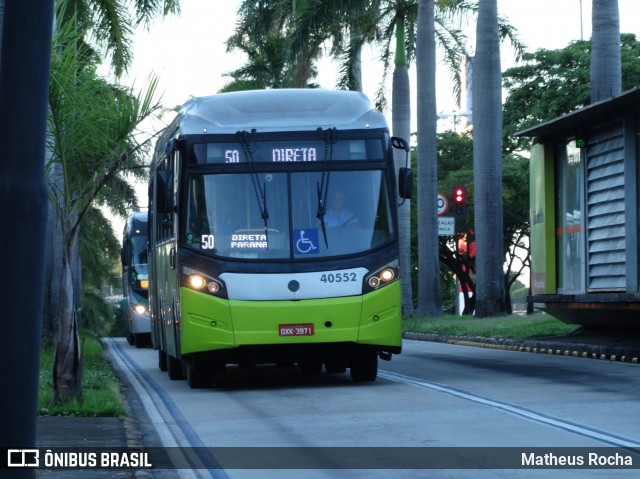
(449, 410)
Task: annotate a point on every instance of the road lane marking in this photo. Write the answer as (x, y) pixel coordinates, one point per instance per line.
(536, 416)
(151, 394)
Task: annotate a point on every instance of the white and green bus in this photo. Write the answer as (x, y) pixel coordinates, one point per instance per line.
(135, 279)
(273, 235)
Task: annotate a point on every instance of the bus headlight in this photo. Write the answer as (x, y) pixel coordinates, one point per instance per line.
(385, 275)
(198, 281)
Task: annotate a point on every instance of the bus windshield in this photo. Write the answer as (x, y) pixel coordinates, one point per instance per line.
(287, 215)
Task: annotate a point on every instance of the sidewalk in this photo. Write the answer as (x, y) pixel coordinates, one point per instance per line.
(86, 432)
(592, 343)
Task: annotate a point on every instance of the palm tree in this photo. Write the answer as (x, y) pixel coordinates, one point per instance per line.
(261, 20)
(487, 164)
(606, 69)
(111, 23)
(430, 297)
(88, 147)
(265, 66)
(90, 128)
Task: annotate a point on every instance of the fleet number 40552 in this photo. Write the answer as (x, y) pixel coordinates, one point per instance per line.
(338, 277)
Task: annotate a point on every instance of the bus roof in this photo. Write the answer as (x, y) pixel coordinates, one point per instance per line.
(136, 224)
(277, 110)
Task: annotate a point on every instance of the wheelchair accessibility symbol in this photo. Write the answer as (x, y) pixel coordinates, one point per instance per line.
(306, 241)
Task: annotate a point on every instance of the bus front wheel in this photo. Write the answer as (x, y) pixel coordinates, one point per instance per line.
(198, 377)
(174, 368)
(364, 367)
(162, 360)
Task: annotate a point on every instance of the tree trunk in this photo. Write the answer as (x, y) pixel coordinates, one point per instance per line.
(52, 275)
(606, 70)
(401, 126)
(401, 118)
(67, 377)
(53, 252)
(487, 164)
(429, 294)
(356, 66)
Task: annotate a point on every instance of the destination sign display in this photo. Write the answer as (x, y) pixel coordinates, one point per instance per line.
(287, 152)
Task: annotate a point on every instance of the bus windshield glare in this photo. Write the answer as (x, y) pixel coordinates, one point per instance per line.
(310, 214)
(138, 267)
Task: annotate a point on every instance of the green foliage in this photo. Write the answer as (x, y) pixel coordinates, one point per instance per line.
(98, 314)
(92, 123)
(118, 328)
(551, 83)
(266, 65)
(109, 24)
(262, 33)
(303, 27)
(93, 142)
(101, 389)
(99, 251)
(455, 168)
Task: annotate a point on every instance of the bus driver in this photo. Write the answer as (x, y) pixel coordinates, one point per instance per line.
(337, 215)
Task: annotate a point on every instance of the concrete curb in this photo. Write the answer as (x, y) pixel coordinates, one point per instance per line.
(541, 346)
(132, 432)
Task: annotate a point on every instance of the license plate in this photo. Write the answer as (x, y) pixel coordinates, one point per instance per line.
(295, 329)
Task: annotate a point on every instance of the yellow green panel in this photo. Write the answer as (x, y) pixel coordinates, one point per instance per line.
(206, 322)
(542, 204)
(210, 323)
(334, 320)
(382, 317)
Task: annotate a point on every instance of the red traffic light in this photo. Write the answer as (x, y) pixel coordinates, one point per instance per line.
(459, 201)
(458, 195)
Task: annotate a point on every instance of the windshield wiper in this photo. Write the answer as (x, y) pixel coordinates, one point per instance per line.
(260, 191)
(330, 137)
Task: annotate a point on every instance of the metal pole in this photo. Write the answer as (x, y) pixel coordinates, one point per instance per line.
(581, 30)
(24, 82)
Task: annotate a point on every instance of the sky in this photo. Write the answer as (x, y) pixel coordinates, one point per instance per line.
(188, 52)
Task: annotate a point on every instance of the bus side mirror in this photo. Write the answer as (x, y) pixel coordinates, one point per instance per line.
(399, 143)
(164, 191)
(405, 183)
(405, 175)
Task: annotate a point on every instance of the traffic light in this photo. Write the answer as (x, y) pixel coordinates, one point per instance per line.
(459, 200)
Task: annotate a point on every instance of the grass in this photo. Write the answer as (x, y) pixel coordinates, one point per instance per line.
(100, 387)
(513, 326)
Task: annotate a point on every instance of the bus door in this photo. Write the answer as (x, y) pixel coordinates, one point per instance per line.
(167, 286)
